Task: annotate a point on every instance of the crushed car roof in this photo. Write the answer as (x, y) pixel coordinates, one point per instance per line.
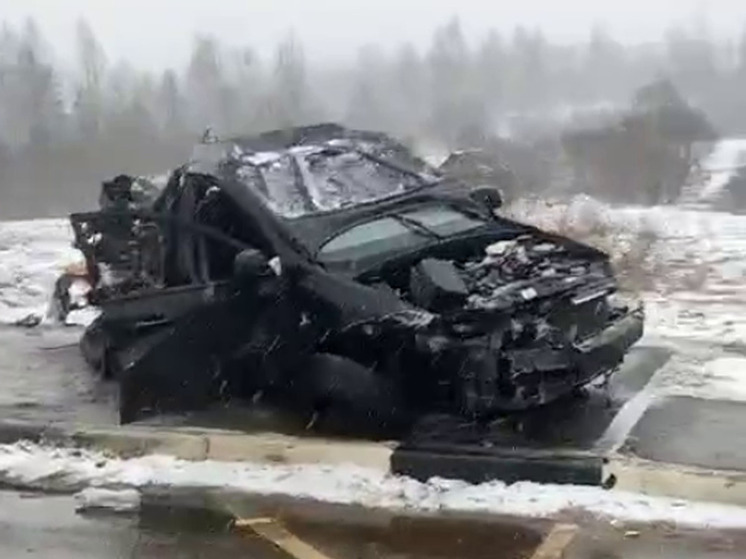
(313, 170)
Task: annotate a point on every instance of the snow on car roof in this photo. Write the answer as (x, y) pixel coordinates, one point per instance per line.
(298, 173)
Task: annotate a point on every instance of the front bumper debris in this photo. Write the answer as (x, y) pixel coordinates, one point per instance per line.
(607, 349)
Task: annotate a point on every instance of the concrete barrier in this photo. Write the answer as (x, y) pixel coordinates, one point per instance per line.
(203, 444)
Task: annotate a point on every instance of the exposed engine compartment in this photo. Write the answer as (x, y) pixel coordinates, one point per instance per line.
(505, 273)
(510, 264)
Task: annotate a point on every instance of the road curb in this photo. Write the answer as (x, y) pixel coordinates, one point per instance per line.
(202, 444)
(662, 479)
(284, 449)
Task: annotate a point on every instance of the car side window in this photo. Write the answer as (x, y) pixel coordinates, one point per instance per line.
(368, 239)
(199, 257)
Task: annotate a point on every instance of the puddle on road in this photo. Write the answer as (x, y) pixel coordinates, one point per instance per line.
(350, 532)
(415, 538)
(408, 538)
(47, 526)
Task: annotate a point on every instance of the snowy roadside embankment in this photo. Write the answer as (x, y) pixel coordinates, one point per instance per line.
(32, 255)
(31, 465)
(720, 167)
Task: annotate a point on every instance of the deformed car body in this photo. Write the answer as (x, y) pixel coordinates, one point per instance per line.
(331, 269)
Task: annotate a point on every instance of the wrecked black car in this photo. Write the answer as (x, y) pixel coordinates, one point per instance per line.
(331, 269)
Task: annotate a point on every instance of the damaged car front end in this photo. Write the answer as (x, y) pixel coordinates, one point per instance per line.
(527, 322)
(333, 270)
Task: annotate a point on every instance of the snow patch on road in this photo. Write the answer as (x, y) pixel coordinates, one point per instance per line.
(32, 466)
(116, 500)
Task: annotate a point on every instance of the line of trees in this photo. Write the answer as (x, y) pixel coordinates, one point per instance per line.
(63, 130)
(646, 154)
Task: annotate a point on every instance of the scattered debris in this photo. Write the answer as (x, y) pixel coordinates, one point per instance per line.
(111, 500)
(29, 321)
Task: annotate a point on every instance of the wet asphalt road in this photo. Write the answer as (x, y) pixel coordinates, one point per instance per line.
(44, 378)
(35, 525)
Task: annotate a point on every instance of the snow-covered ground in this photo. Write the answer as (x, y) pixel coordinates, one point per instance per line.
(32, 255)
(721, 165)
(692, 267)
(34, 466)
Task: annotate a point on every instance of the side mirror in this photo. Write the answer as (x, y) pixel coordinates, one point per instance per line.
(489, 196)
(250, 265)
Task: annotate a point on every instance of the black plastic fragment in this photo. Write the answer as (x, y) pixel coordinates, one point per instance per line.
(436, 284)
(510, 465)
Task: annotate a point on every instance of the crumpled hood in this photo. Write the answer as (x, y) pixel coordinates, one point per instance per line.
(507, 273)
(529, 268)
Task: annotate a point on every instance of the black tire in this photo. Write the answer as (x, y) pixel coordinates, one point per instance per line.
(93, 345)
(97, 350)
(347, 395)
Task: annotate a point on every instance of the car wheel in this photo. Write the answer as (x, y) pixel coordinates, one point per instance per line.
(96, 348)
(93, 345)
(348, 396)
(110, 368)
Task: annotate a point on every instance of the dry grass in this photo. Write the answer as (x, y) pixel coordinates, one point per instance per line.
(632, 244)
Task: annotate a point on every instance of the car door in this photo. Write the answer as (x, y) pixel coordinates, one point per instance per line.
(179, 347)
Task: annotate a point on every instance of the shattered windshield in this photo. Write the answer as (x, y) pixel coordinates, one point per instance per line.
(305, 180)
(396, 233)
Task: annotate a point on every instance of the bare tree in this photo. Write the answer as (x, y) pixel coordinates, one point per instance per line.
(647, 154)
(170, 106)
(89, 104)
(458, 113)
(458, 92)
(290, 103)
(204, 82)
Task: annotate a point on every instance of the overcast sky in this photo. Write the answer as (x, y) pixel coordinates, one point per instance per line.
(158, 33)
